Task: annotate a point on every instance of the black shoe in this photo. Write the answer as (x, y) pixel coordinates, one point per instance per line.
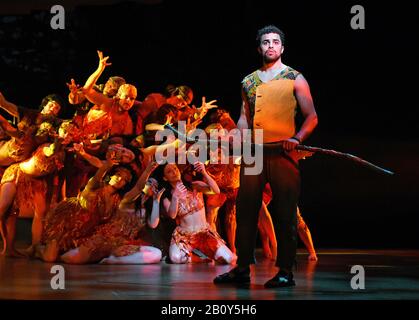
(282, 279)
(234, 277)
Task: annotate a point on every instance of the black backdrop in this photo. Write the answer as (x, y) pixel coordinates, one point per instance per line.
(362, 82)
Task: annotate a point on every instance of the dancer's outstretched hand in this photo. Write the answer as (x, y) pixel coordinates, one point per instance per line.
(168, 120)
(73, 86)
(203, 110)
(103, 61)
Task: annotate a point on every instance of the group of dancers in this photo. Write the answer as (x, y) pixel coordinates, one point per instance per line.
(96, 193)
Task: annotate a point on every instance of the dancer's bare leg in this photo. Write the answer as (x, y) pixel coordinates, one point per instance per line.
(267, 252)
(212, 214)
(80, 255)
(230, 224)
(225, 255)
(305, 236)
(48, 252)
(178, 255)
(146, 255)
(37, 222)
(7, 196)
(11, 238)
(3, 233)
(267, 233)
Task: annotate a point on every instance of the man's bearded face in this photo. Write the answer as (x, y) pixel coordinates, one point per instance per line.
(270, 47)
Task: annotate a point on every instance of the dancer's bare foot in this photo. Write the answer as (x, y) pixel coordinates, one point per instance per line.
(39, 251)
(50, 253)
(312, 257)
(108, 260)
(29, 252)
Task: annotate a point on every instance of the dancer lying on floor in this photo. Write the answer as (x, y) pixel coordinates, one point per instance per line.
(75, 219)
(118, 240)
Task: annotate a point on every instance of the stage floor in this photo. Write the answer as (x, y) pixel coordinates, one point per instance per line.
(389, 274)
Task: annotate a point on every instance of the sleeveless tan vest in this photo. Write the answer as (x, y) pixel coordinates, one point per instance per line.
(272, 104)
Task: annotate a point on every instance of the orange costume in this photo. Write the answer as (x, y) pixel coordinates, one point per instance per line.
(227, 177)
(205, 240)
(75, 219)
(97, 124)
(27, 185)
(21, 149)
(101, 124)
(120, 236)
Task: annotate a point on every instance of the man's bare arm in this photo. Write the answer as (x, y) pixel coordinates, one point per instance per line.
(8, 128)
(92, 95)
(9, 107)
(305, 101)
(98, 99)
(94, 77)
(243, 122)
(94, 161)
(133, 194)
(97, 180)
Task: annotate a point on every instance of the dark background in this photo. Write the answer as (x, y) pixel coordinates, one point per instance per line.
(362, 83)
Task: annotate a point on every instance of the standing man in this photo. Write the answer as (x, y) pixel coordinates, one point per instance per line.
(270, 97)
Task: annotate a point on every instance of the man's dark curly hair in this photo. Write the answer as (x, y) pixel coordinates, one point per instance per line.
(269, 29)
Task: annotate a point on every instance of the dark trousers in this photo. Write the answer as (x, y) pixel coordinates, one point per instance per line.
(284, 177)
